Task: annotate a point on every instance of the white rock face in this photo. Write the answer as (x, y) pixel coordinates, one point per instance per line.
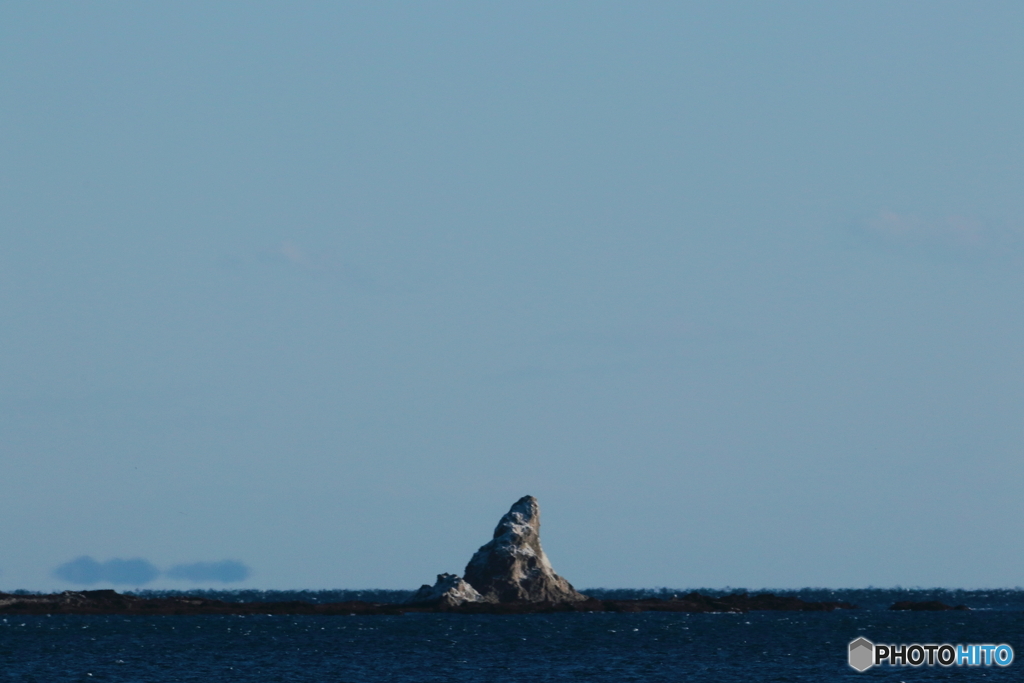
(449, 590)
(512, 567)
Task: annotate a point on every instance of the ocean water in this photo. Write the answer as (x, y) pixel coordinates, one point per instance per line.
(759, 646)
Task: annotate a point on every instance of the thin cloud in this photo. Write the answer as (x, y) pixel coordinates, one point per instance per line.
(315, 263)
(284, 253)
(948, 238)
(949, 231)
(293, 254)
(86, 571)
(226, 571)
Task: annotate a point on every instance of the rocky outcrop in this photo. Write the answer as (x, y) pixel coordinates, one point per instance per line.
(449, 591)
(512, 566)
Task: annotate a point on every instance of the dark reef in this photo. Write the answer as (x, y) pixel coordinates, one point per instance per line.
(112, 602)
(924, 606)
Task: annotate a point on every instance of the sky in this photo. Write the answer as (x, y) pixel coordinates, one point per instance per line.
(307, 295)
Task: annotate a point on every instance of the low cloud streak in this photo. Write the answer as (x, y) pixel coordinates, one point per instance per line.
(950, 231)
(86, 571)
(948, 238)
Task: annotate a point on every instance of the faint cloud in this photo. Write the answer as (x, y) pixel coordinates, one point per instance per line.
(289, 253)
(294, 255)
(950, 231)
(948, 238)
(319, 264)
(226, 571)
(87, 571)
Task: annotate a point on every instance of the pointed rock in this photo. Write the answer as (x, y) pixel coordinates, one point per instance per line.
(512, 567)
(449, 590)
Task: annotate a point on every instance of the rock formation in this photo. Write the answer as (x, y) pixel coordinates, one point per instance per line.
(450, 590)
(512, 566)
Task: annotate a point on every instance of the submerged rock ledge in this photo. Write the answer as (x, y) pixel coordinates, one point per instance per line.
(112, 602)
(925, 606)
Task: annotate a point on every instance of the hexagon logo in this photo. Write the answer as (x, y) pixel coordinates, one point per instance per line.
(862, 654)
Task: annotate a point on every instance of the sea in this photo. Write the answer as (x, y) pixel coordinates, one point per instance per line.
(651, 646)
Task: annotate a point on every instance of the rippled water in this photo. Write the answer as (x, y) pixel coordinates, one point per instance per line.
(764, 646)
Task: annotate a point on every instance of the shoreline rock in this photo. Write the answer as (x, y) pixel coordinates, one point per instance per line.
(450, 590)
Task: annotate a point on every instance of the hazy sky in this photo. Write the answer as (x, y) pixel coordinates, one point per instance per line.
(320, 289)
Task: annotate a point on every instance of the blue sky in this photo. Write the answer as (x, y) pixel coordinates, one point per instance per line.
(734, 289)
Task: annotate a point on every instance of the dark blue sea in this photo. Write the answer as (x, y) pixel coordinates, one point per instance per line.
(759, 646)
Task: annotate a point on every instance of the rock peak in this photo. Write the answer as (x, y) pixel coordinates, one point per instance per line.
(512, 566)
